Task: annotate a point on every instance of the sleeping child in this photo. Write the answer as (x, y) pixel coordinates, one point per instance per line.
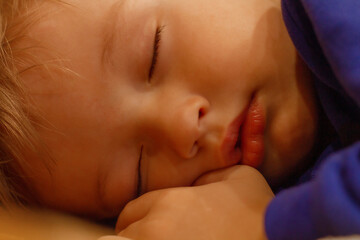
(182, 117)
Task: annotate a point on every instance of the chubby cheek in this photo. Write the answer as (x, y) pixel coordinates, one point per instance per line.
(162, 172)
(294, 140)
(165, 169)
(289, 139)
(168, 170)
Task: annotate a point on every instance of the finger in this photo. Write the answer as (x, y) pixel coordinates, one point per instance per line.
(113, 238)
(235, 172)
(136, 210)
(134, 231)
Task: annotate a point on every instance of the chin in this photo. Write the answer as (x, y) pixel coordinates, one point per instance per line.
(288, 159)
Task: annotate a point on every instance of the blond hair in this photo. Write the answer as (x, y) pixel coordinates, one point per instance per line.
(17, 132)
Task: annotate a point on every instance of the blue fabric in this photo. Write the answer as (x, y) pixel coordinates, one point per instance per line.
(326, 34)
(327, 205)
(313, 171)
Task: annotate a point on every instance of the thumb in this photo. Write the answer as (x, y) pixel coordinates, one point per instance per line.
(234, 172)
(136, 210)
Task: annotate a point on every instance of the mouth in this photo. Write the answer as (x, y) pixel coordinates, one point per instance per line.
(244, 138)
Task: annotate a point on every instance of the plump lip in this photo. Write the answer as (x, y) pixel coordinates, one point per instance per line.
(231, 154)
(244, 138)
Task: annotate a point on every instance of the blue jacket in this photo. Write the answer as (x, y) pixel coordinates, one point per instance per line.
(326, 34)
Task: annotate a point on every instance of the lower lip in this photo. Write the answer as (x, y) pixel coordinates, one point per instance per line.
(249, 127)
(252, 136)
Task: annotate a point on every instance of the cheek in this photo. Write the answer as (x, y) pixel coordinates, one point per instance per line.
(216, 47)
(293, 136)
(66, 184)
(159, 171)
(289, 140)
(206, 35)
(167, 170)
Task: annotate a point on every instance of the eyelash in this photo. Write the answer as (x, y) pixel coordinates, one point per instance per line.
(157, 40)
(138, 189)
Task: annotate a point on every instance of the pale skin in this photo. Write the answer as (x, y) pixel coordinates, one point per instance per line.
(213, 57)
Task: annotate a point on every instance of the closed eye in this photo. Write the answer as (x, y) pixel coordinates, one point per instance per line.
(157, 41)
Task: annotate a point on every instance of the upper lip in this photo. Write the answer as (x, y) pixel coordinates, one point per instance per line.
(231, 137)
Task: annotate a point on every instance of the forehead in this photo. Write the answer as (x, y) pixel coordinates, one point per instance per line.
(67, 40)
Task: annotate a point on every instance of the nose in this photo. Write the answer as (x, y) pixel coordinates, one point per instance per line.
(185, 126)
(180, 124)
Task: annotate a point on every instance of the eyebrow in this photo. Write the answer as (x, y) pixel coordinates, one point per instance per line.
(110, 31)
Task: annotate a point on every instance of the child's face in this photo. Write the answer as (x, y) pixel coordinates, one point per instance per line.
(214, 58)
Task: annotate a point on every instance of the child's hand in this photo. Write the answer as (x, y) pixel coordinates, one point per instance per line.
(226, 204)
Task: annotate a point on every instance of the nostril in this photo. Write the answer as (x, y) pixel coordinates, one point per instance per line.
(201, 112)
